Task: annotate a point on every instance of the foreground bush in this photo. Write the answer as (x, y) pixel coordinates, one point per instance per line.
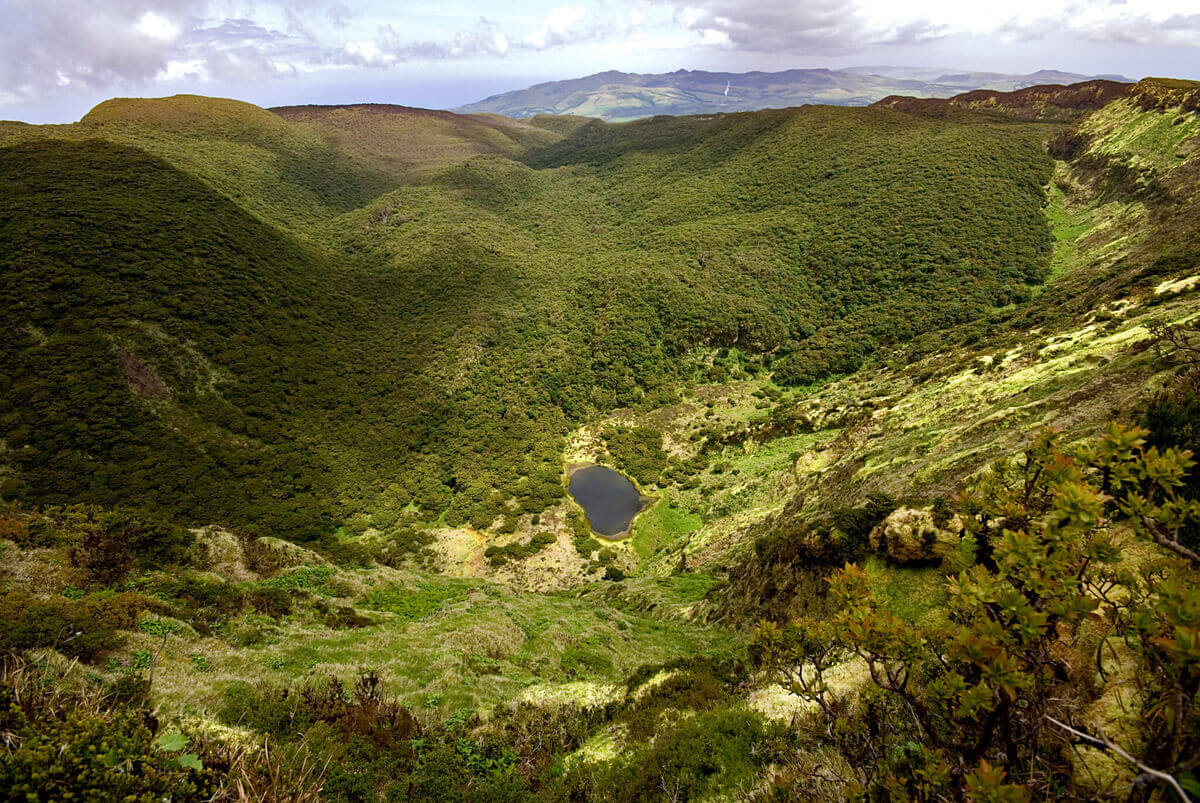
(65, 743)
(991, 704)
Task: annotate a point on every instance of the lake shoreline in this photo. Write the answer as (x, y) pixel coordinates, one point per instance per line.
(643, 502)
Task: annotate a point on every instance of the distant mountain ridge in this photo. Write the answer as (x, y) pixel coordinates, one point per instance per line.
(615, 95)
(1041, 102)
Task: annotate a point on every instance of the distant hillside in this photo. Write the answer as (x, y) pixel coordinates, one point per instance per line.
(1048, 102)
(616, 95)
(411, 143)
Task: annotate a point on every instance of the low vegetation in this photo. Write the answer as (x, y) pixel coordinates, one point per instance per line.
(912, 397)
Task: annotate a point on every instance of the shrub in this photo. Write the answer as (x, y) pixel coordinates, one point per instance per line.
(638, 451)
(950, 703)
(264, 708)
(270, 601)
(499, 555)
(69, 744)
(108, 543)
(699, 758)
(411, 604)
(613, 574)
(80, 628)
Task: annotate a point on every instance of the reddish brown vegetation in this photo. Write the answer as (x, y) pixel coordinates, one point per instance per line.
(1048, 102)
(141, 376)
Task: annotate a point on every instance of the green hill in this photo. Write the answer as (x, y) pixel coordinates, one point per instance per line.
(411, 144)
(291, 398)
(504, 304)
(289, 176)
(159, 333)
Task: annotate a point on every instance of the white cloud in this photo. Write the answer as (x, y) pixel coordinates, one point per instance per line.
(97, 45)
(801, 26)
(157, 27)
(558, 28)
(365, 50)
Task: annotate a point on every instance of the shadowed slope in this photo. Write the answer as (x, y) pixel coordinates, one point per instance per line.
(285, 174)
(161, 339)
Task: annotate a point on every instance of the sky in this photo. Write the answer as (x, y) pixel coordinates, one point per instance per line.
(58, 58)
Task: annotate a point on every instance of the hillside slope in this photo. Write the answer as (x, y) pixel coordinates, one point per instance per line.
(412, 144)
(162, 339)
(504, 303)
(1042, 102)
(616, 96)
(285, 437)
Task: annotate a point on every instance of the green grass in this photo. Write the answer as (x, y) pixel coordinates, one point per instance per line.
(466, 644)
(662, 526)
(915, 595)
(1148, 138)
(411, 604)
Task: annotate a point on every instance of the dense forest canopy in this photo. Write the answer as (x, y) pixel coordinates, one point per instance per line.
(465, 322)
(908, 397)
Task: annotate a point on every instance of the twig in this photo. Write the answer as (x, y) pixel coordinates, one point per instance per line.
(1114, 748)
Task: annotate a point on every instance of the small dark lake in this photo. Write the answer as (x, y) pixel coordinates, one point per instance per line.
(607, 497)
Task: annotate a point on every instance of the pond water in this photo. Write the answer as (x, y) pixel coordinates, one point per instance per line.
(607, 497)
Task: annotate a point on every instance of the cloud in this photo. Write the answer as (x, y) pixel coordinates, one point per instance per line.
(48, 45)
(802, 26)
(560, 27)
(389, 48)
(339, 15)
(831, 26)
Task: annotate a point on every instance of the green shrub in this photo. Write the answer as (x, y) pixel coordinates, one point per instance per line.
(638, 452)
(87, 756)
(270, 600)
(699, 758)
(264, 708)
(304, 578)
(80, 628)
(581, 661)
(411, 604)
(108, 543)
(499, 555)
(613, 574)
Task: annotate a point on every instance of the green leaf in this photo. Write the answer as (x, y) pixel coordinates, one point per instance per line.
(1190, 784)
(171, 741)
(190, 761)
